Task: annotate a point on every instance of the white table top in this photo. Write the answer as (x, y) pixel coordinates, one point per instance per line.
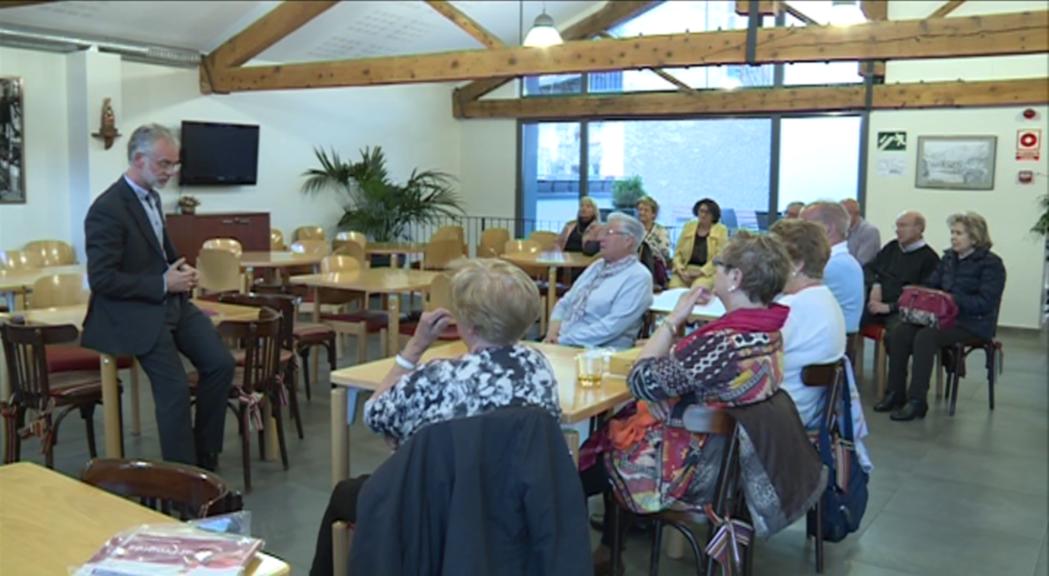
(664, 303)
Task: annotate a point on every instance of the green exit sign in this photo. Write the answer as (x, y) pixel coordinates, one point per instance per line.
(892, 141)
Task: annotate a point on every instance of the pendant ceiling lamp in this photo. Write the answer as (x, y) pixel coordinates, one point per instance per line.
(543, 32)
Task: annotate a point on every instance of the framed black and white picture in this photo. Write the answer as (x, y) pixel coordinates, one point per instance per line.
(12, 142)
(956, 162)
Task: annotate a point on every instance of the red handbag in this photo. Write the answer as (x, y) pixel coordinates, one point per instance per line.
(927, 307)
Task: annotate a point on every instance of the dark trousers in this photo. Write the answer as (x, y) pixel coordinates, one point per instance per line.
(190, 332)
(922, 343)
(341, 508)
(595, 481)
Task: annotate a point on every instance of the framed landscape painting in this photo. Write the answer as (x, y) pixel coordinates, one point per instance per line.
(956, 162)
(12, 145)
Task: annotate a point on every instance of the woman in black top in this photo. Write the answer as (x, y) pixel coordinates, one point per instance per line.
(577, 233)
(975, 277)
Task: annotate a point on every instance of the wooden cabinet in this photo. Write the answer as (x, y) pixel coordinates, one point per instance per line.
(189, 231)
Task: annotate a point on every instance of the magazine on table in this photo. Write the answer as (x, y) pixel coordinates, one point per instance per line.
(172, 550)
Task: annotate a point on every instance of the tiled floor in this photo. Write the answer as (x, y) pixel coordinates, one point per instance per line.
(961, 495)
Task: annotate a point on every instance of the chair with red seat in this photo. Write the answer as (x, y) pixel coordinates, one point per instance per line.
(357, 323)
(35, 390)
(877, 333)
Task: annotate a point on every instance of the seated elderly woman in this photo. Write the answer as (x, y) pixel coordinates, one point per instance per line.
(579, 235)
(975, 277)
(700, 242)
(733, 362)
(606, 305)
(493, 304)
(656, 239)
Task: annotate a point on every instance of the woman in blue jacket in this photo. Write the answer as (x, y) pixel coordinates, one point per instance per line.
(975, 277)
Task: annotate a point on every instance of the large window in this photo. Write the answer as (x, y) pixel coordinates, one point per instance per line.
(818, 159)
(550, 173)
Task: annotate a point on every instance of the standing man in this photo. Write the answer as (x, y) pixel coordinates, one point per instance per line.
(864, 238)
(140, 302)
(903, 261)
(842, 274)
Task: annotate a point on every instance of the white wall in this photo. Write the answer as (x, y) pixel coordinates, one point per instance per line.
(45, 213)
(413, 124)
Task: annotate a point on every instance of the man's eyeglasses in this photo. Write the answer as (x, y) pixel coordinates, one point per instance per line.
(168, 166)
(614, 232)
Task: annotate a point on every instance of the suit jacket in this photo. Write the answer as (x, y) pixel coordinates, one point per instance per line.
(125, 269)
(489, 494)
(717, 238)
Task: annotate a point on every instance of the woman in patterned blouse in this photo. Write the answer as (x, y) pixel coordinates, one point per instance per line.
(493, 304)
(735, 360)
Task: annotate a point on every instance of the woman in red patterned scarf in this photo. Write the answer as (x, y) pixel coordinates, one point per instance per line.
(735, 360)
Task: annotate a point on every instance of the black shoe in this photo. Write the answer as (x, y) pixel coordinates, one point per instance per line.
(208, 461)
(889, 403)
(910, 411)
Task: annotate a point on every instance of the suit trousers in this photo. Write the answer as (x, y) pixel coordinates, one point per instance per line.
(188, 331)
(921, 342)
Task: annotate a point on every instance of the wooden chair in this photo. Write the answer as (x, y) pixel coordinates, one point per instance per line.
(450, 233)
(179, 490)
(308, 233)
(230, 244)
(529, 246)
(59, 290)
(285, 305)
(51, 252)
(728, 500)
(830, 376)
(258, 381)
(35, 389)
(15, 260)
(439, 254)
(439, 296)
(277, 240)
(219, 270)
(349, 236)
(318, 247)
(953, 358)
(877, 333)
(493, 242)
(547, 240)
(352, 249)
(358, 323)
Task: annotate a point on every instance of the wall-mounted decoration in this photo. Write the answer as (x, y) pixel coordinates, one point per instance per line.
(956, 162)
(107, 128)
(892, 141)
(12, 143)
(1029, 144)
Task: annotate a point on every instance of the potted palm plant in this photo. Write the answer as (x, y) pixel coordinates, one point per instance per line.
(376, 205)
(1042, 225)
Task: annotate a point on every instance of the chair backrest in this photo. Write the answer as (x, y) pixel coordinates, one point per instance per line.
(51, 252)
(219, 270)
(277, 240)
(24, 349)
(493, 242)
(440, 294)
(547, 240)
(352, 249)
(449, 232)
(438, 254)
(830, 376)
(179, 490)
(311, 247)
(340, 263)
(308, 233)
(230, 244)
(530, 246)
(350, 236)
(59, 290)
(19, 260)
(283, 303)
(260, 341)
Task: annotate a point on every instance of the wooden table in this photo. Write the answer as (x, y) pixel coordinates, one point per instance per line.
(50, 522)
(664, 303)
(577, 403)
(278, 261)
(393, 249)
(552, 261)
(14, 282)
(110, 391)
(387, 281)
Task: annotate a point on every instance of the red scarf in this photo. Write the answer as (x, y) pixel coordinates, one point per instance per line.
(769, 319)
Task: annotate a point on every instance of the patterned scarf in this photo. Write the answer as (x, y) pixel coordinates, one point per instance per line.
(605, 272)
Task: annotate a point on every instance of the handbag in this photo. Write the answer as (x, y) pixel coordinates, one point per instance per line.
(844, 501)
(927, 307)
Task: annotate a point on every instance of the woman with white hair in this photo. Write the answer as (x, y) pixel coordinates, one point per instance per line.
(493, 304)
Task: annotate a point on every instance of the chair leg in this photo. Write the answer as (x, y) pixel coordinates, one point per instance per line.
(279, 415)
(245, 446)
(11, 438)
(959, 362)
(991, 374)
(49, 444)
(938, 365)
(657, 547)
(304, 355)
(858, 368)
(293, 396)
(362, 347)
(880, 363)
(87, 412)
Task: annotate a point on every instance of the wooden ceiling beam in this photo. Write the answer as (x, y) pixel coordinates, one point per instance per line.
(764, 101)
(946, 9)
(20, 3)
(278, 23)
(467, 24)
(874, 10)
(611, 14)
(1001, 34)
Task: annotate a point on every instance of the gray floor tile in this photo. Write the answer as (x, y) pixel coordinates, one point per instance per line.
(1027, 475)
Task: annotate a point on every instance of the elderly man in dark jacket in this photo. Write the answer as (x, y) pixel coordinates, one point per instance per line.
(975, 277)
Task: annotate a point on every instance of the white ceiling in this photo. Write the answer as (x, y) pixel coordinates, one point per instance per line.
(351, 29)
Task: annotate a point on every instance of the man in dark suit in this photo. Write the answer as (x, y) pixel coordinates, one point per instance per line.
(140, 302)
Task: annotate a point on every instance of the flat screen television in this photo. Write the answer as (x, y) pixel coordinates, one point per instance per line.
(219, 154)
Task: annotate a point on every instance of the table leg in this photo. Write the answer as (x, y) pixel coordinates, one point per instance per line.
(551, 293)
(136, 415)
(111, 407)
(340, 437)
(393, 335)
